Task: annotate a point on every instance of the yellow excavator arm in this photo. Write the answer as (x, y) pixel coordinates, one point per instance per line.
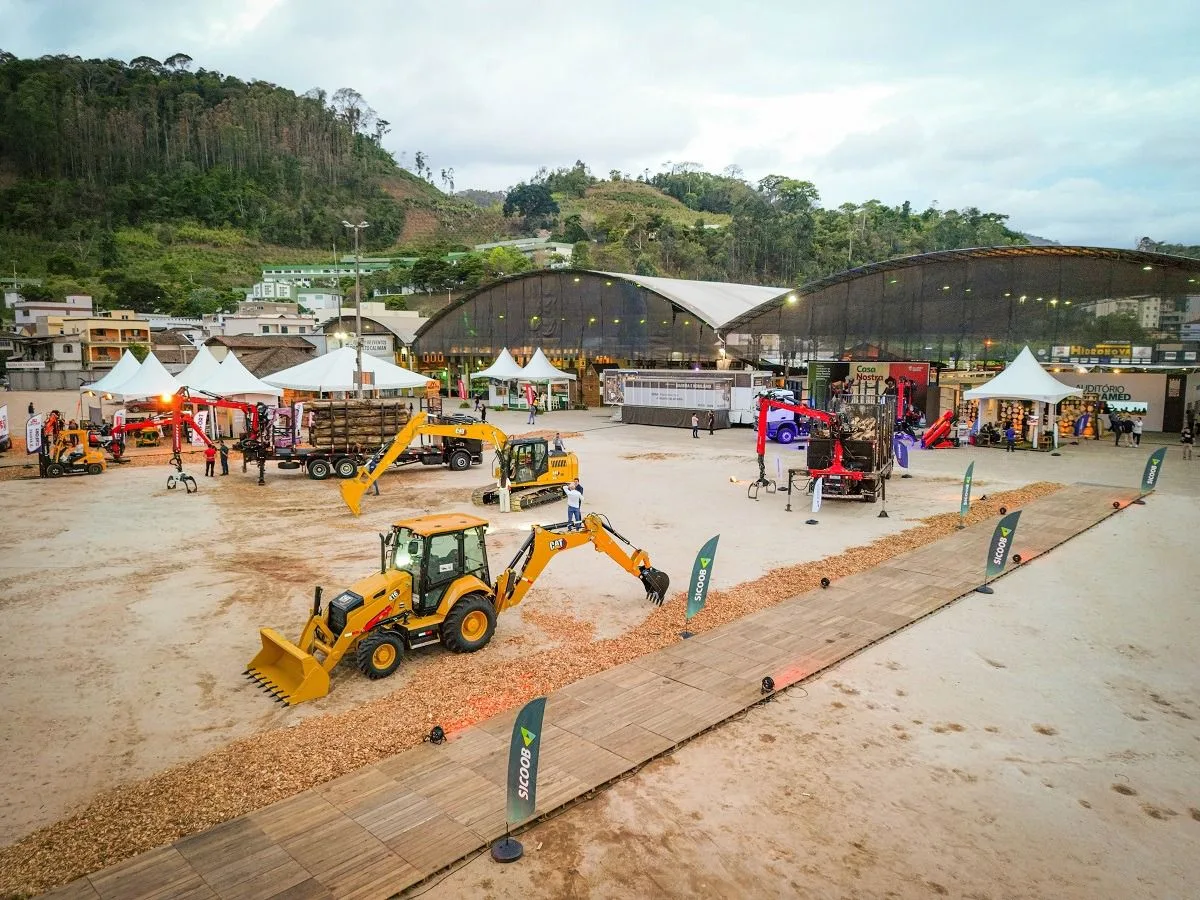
(545, 541)
(354, 488)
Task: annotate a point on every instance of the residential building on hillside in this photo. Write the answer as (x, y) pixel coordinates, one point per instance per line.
(173, 348)
(104, 336)
(271, 289)
(27, 312)
(195, 329)
(319, 299)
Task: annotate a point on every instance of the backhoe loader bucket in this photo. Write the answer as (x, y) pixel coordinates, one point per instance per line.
(656, 583)
(285, 671)
(353, 489)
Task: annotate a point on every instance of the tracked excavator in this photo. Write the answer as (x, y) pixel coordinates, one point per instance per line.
(532, 472)
(433, 586)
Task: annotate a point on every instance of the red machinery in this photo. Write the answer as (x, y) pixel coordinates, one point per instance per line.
(837, 432)
(177, 417)
(937, 436)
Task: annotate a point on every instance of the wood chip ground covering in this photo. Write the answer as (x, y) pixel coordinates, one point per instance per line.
(257, 771)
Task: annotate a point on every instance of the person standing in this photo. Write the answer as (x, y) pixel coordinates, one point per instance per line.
(31, 407)
(712, 421)
(224, 451)
(1187, 439)
(1137, 432)
(532, 420)
(1010, 438)
(558, 444)
(482, 411)
(1114, 424)
(574, 506)
(210, 460)
(695, 425)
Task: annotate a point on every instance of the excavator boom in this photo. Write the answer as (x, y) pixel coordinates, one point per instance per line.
(546, 540)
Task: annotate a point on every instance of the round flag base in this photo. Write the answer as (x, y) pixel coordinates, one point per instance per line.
(1139, 502)
(882, 514)
(811, 522)
(685, 634)
(507, 849)
(984, 589)
(906, 475)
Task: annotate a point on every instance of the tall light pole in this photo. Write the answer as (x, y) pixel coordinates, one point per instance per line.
(357, 303)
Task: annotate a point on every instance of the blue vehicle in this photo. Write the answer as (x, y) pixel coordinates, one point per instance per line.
(784, 426)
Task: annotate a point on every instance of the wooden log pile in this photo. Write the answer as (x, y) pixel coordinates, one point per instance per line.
(355, 423)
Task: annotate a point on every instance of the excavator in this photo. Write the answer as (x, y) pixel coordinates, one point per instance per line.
(527, 467)
(433, 586)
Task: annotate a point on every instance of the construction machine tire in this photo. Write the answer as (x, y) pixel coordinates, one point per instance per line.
(378, 654)
(95, 469)
(55, 470)
(460, 460)
(319, 469)
(469, 624)
(345, 467)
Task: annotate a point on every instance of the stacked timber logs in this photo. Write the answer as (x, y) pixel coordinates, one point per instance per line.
(364, 424)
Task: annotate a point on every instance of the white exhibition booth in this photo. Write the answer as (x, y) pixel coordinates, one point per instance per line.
(1024, 379)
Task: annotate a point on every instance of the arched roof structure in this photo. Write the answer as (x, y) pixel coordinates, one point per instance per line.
(938, 305)
(579, 313)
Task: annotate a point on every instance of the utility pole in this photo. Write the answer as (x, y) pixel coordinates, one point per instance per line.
(357, 304)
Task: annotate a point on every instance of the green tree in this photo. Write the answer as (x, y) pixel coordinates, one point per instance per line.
(581, 255)
(501, 261)
(139, 350)
(533, 202)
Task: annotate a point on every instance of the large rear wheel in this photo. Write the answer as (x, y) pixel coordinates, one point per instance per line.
(470, 624)
(460, 460)
(345, 467)
(319, 469)
(379, 654)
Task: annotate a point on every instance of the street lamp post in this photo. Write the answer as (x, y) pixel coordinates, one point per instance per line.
(357, 304)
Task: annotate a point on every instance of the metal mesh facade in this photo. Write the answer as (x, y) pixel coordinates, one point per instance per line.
(979, 303)
(570, 315)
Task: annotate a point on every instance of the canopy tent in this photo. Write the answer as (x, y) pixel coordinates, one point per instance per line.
(504, 368)
(125, 369)
(335, 371)
(232, 379)
(1025, 379)
(539, 369)
(198, 370)
(150, 380)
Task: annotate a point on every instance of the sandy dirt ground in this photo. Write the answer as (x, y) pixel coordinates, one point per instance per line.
(1043, 742)
(130, 611)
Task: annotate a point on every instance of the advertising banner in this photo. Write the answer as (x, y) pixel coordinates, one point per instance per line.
(33, 434)
(196, 438)
(523, 752)
(900, 451)
(530, 395)
(1001, 545)
(822, 374)
(816, 505)
(1153, 469)
(964, 505)
(3, 425)
(701, 576)
(297, 422)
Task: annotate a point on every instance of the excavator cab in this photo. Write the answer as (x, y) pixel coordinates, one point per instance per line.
(528, 460)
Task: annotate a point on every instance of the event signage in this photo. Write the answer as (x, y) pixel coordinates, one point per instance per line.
(33, 434)
(702, 571)
(900, 451)
(1153, 469)
(1001, 545)
(196, 438)
(964, 505)
(3, 425)
(523, 752)
(816, 504)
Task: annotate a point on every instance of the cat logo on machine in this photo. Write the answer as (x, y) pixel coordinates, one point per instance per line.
(558, 543)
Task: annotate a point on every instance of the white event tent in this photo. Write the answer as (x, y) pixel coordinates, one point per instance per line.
(539, 370)
(502, 370)
(335, 371)
(230, 378)
(125, 369)
(198, 370)
(150, 380)
(1025, 379)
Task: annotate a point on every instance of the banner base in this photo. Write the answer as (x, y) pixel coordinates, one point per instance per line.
(686, 634)
(1139, 502)
(882, 514)
(811, 522)
(984, 589)
(906, 475)
(507, 849)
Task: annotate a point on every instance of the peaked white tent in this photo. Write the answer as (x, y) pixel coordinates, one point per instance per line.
(1025, 379)
(198, 370)
(150, 380)
(539, 369)
(232, 379)
(335, 371)
(125, 369)
(503, 368)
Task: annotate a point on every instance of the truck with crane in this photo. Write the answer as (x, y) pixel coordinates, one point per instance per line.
(433, 587)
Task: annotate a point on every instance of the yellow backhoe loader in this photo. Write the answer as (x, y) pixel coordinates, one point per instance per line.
(432, 587)
(532, 472)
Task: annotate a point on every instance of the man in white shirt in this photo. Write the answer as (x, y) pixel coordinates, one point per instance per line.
(574, 505)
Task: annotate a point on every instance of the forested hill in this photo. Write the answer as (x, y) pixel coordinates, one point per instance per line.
(125, 144)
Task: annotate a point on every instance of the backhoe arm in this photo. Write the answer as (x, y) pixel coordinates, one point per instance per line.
(354, 488)
(547, 540)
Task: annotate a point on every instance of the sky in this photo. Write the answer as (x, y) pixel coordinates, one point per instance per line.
(1076, 118)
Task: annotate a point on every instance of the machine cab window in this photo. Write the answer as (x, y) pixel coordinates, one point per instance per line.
(528, 462)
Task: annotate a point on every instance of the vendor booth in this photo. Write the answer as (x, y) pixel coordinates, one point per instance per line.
(502, 377)
(1024, 394)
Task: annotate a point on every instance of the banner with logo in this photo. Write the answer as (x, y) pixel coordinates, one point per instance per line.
(530, 395)
(118, 418)
(33, 434)
(297, 422)
(3, 424)
(462, 389)
(816, 506)
(964, 505)
(702, 571)
(1001, 545)
(1153, 469)
(523, 752)
(900, 451)
(196, 438)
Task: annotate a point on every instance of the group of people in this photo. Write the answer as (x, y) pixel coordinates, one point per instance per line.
(210, 458)
(711, 423)
(1130, 429)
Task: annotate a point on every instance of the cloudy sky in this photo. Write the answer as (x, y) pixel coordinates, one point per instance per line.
(1077, 118)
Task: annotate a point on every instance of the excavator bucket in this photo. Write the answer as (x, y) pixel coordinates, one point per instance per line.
(285, 671)
(353, 489)
(657, 583)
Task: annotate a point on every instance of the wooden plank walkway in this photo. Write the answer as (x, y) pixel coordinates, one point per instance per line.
(387, 826)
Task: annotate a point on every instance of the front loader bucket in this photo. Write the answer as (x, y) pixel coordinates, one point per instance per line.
(657, 582)
(352, 492)
(285, 671)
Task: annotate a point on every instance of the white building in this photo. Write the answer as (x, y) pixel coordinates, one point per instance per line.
(319, 300)
(537, 249)
(1147, 309)
(271, 289)
(27, 312)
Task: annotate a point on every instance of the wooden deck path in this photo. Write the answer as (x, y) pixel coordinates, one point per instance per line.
(390, 825)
